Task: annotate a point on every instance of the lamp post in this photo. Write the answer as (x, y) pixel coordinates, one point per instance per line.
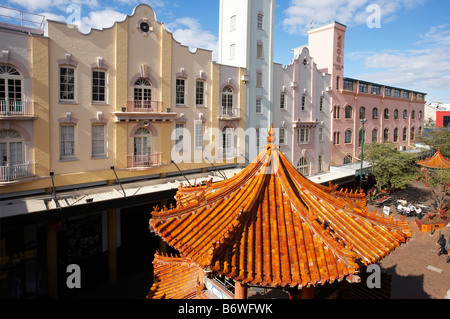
(362, 153)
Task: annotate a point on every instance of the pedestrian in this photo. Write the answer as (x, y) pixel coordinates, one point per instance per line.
(441, 242)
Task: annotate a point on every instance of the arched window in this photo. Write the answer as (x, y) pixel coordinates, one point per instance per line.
(11, 148)
(142, 142)
(420, 115)
(374, 135)
(413, 115)
(405, 134)
(348, 136)
(396, 114)
(396, 135)
(375, 113)
(348, 159)
(142, 94)
(227, 101)
(386, 114)
(10, 90)
(362, 113)
(348, 112)
(386, 135)
(303, 166)
(405, 114)
(413, 133)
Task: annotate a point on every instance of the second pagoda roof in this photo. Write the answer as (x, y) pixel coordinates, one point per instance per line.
(271, 226)
(437, 161)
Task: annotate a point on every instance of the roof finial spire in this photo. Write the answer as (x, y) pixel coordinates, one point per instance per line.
(271, 136)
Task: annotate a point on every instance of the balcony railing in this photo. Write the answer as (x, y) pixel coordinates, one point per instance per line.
(135, 161)
(16, 108)
(145, 106)
(11, 173)
(229, 113)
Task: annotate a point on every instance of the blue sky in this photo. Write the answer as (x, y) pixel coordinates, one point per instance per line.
(410, 49)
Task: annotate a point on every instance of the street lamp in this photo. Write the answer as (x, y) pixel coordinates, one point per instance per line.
(362, 153)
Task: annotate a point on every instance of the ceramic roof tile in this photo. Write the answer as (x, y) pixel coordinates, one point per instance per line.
(437, 161)
(271, 226)
(175, 278)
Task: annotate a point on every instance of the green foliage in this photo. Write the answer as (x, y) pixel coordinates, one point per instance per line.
(437, 138)
(391, 168)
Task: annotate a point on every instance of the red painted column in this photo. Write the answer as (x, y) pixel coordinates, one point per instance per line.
(240, 290)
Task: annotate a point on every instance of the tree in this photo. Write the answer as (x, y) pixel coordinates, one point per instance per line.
(435, 138)
(391, 168)
(438, 181)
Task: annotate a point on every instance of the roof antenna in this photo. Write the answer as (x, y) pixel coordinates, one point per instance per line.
(219, 171)
(181, 172)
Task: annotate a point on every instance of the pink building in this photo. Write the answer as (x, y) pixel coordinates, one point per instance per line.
(392, 114)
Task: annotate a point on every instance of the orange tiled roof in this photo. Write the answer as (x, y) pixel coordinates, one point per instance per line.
(437, 161)
(175, 278)
(271, 226)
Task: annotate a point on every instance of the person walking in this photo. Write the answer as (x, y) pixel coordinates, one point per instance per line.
(441, 242)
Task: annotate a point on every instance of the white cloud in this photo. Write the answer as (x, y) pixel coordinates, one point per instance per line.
(188, 31)
(301, 15)
(425, 69)
(100, 19)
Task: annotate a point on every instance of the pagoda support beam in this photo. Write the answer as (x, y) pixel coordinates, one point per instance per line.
(240, 290)
(112, 247)
(306, 293)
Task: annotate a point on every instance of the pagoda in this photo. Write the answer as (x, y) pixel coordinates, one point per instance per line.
(437, 161)
(269, 226)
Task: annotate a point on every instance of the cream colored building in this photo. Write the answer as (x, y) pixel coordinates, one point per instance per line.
(119, 98)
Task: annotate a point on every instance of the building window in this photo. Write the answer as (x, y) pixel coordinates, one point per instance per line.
(180, 91)
(387, 91)
(259, 79)
(405, 95)
(67, 136)
(405, 114)
(10, 88)
(320, 134)
(413, 133)
(258, 106)
(303, 135)
(386, 135)
(336, 138)
(420, 131)
(98, 140)
(142, 147)
(260, 20)
(227, 142)
(413, 115)
(337, 112)
(198, 135)
(396, 114)
(259, 50)
(375, 113)
(303, 166)
(386, 114)
(348, 112)
(360, 141)
(320, 163)
(348, 137)
(283, 100)
(348, 159)
(257, 139)
(362, 87)
(232, 51)
(98, 86)
(142, 93)
(200, 93)
(338, 82)
(282, 138)
(11, 152)
(303, 102)
(66, 84)
(405, 134)
(374, 135)
(375, 90)
(348, 85)
(233, 24)
(362, 113)
(396, 93)
(227, 101)
(179, 136)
